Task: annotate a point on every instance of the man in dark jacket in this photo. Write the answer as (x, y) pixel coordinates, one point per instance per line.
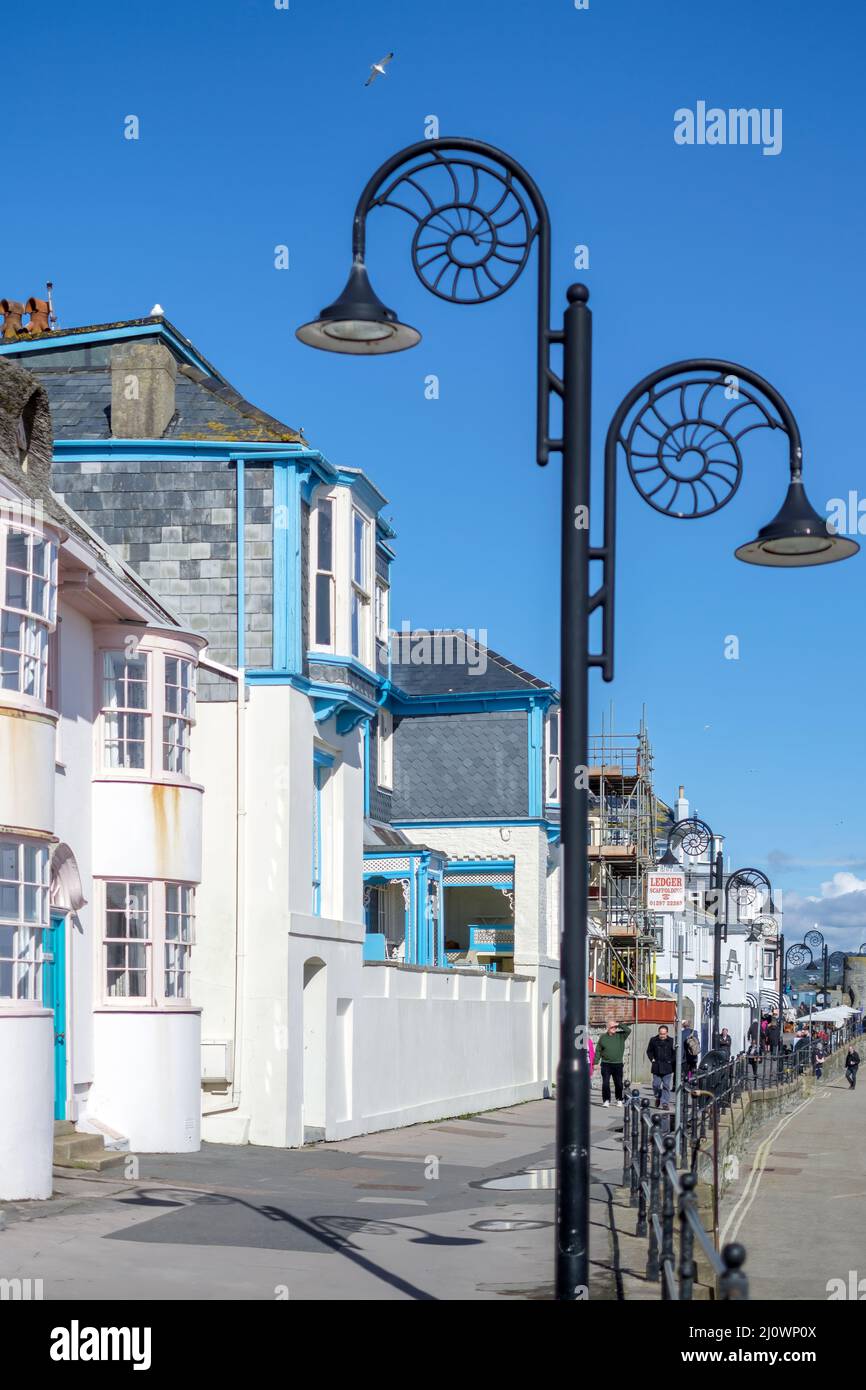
(852, 1062)
(660, 1051)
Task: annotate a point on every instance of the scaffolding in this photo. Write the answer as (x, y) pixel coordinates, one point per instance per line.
(623, 814)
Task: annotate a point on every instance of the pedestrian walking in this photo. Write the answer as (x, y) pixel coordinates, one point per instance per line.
(691, 1051)
(818, 1058)
(852, 1062)
(660, 1051)
(611, 1051)
(724, 1043)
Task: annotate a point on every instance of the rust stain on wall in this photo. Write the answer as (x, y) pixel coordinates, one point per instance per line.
(166, 824)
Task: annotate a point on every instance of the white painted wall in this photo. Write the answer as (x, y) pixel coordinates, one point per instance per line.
(146, 829)
(432, 1043)
(147, 1085)
(26, 1102)
(27, 769)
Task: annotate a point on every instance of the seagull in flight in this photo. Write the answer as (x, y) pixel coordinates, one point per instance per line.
(377, 68)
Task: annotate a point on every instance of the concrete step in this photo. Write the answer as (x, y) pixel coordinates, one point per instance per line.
(73, 1149)
(94, 1163)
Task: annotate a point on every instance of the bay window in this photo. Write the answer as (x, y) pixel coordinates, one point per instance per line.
(360, 587)
(324, 592)
(125, 709)
(553, 732)
(28, 609)
(127, 940)
(148, 935)
(385, 750)
(148, 710)
(24, 908)
(178, 939)
(382, 595)
(177, 721)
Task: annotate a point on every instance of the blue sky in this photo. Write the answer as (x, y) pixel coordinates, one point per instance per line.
(256, 130)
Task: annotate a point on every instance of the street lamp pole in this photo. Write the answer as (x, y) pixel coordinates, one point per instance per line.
(477, 215)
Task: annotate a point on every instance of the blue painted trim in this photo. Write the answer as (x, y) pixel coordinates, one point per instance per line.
(158, 329)
(488, 949)
(155, 450)
(461, 703)
(240, 543)
(535, 733)
(322, 759)
(367, 491)
(287, 595)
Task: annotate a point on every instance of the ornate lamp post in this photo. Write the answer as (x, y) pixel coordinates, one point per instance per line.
(752, 888)
(477, 216)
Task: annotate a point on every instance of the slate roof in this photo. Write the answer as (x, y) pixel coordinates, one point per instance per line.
(460, 665)
(77, 378)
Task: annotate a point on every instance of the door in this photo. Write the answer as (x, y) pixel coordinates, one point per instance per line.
(54, 997)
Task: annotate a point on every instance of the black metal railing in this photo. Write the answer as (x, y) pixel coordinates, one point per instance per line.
(668, 1213)
(661, 1155)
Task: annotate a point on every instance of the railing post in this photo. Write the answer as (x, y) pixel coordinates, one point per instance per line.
(685, 1121)
(652, 1259)
(635, 1146)
(687, 1239)
(733, 1283)
(669, 1156)
(640, 1228)
(626, 1142)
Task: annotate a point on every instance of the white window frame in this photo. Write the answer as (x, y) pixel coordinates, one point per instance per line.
(383, 600)
(178, 942)
(385, 750)
(178, 712)
(326, 573)
(158, 712)
(163, 952)
(552, 759)
(360, 593)
(23, 925)
(125, 710)
(28, 657)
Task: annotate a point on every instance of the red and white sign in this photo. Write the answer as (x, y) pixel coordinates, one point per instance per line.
(666, 892)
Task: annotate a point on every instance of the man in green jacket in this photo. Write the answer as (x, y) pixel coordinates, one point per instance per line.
(611, 1050)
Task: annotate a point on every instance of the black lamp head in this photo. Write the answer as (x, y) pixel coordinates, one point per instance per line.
(669, 860)
(797, 535)
(358, 322)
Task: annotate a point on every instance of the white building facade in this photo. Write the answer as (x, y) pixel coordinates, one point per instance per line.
(100, 829)
(278, 925)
